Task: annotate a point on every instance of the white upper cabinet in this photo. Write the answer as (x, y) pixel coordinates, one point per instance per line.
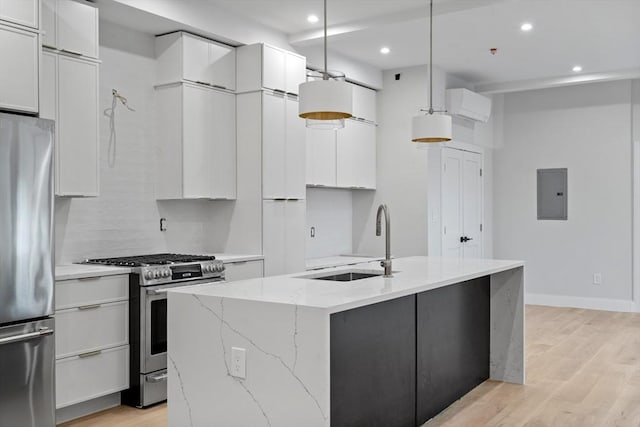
(364, 103)
(321, 157)
(21, 12)
(20, 51)
(356, 155)
(261, 66)
(183, 56)
(283, 148)
(197, 143)
(77, 124)
(70, 26)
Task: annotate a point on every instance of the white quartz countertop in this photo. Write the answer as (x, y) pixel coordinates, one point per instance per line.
(81, 271)
(411, 275)
(335, 261)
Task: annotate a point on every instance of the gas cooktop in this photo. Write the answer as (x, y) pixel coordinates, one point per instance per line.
(149, 260)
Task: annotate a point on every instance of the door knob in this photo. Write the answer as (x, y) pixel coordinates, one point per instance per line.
(464, 239)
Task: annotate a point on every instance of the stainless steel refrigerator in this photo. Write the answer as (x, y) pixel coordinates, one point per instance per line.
(27, 346)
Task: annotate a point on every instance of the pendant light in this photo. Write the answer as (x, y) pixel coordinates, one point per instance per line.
(325, 103)
(431, 127)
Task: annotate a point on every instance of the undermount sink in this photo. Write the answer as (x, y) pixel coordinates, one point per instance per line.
(343, 276)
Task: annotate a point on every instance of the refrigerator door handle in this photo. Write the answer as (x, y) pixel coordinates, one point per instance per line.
(27, 336)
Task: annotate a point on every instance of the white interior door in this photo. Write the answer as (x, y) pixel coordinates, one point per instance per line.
(472, 205)
(461, 203)
(452, 164)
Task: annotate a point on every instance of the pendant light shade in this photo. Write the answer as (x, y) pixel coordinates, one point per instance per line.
(325, 102)
(430, 127)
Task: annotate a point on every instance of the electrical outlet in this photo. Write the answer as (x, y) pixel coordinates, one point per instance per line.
(597, 278)
(238, 362)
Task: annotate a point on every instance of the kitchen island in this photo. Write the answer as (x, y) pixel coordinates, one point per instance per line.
(296, 350)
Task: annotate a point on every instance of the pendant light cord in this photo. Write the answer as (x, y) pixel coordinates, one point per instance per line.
(430, 57)
(325, 75)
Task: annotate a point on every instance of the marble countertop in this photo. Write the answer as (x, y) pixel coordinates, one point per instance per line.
(81, 271)
(334, 261)
(411, 275)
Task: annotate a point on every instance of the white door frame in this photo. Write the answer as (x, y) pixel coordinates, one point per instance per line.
(635, 249)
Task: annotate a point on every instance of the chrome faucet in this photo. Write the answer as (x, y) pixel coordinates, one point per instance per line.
(387, 228)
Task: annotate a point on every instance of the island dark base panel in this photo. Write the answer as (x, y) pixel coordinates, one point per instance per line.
(373, 365)
(453, 325)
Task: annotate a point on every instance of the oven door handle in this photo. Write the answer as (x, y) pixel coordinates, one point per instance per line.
(157, 291)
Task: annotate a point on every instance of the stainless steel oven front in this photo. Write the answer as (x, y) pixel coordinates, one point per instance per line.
(152, 342)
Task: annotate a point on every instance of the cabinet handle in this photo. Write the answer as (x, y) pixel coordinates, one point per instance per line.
(203, 83)
(238, 262)
(82, 279)
(89, 307)
(219, 87)
(295, 95)
(71, 52)
(90, 354)
(279, 92)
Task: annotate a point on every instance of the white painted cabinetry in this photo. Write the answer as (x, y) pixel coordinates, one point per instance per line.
(19, 50)
(283, 236)
(364, 103)
(243, 270)
(321, 157)
(70, 97)
(21, 12)
(197, 142)
(264, 66)
(283, 148)
(70, 26)
(183, 56)
(345, 158)
(356, 155)
(92, 338)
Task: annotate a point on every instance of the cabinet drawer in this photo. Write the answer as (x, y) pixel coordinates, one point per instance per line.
(89, 328)
(93, 290)
(243, 270)
(86, 377)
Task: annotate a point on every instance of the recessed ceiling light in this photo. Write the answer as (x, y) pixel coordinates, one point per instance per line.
(384, 50)
(313, 18)
(526, 27)
(577, 69)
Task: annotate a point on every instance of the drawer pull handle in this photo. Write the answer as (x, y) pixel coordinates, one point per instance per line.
(71, 52)
(90, 354)
(239, 262)
(89, 278)
(89, 307)
(158, 378)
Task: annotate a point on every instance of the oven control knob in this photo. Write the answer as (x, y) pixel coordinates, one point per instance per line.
(207, 269)
(156, 274)
(166, 273)
(219, 267)
(148, 275)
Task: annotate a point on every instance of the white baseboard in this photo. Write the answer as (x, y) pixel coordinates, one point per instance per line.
(582, 302)
(78, 410)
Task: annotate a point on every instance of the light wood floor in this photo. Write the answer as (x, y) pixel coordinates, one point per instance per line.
(583, 370)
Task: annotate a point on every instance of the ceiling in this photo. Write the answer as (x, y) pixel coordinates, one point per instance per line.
(599, 35)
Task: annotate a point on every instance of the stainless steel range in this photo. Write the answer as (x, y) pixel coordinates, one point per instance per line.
(151, 277)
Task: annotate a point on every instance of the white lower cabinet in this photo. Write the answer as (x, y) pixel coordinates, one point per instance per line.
(243, 270)
(92, 327)
(91, 375)
(283, 241)
(92, 338)
(20, 51)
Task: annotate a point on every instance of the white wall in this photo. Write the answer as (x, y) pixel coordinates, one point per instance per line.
(330, 211)
(402, 181)
(124, 220)
(586, 129)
